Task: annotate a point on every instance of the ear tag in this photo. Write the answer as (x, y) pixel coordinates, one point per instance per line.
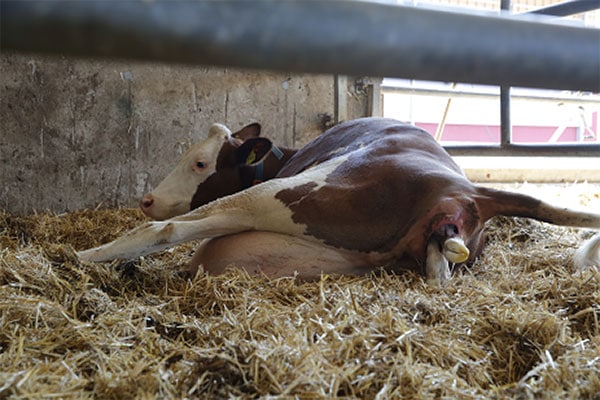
(251, 157)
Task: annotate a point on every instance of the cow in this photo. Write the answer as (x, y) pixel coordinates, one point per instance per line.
(222, 164)
(367, 193)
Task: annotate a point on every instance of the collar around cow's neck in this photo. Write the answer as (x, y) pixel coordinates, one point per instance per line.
(259, 170)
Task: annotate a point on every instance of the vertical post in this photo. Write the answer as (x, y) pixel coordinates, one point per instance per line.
(505, 125)
(375, 108)
(341, 100)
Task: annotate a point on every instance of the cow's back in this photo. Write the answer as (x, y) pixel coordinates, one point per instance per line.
(351, 136)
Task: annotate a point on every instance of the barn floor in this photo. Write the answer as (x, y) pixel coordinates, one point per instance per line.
(521, 323)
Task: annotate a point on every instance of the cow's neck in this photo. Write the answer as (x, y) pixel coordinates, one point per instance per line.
(267, 168)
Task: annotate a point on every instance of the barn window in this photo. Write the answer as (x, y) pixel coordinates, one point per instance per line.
(469, 114)
(461, 115)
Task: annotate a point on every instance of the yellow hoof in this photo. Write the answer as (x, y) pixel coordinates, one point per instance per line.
(455, 250)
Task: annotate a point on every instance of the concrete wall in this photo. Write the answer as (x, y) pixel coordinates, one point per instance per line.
(78, 133)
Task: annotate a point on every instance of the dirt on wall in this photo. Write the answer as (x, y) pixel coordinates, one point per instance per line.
(82, 133)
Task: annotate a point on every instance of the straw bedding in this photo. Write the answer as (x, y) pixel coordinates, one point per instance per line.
(521, 323)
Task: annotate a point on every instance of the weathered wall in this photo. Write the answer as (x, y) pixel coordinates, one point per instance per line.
(78, 133)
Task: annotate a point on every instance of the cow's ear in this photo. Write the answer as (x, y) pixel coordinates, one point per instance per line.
(248, 132)
(253, 151)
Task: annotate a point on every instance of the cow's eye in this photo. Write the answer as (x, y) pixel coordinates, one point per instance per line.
(200, 164)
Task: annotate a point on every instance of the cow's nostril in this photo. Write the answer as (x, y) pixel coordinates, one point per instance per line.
(147, 202)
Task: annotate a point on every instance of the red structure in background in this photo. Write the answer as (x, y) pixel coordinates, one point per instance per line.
(520, 134)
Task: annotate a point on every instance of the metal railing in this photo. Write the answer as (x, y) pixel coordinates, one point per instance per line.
(507, 147)
(337, 37)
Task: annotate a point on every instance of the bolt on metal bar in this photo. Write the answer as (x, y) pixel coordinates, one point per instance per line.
(336, 37)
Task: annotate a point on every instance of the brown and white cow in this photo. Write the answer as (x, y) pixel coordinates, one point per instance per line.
(222, 164)
(367, 193)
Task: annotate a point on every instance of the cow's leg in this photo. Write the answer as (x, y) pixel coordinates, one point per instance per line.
(436, 266)
(277, 255)
(156, 236)
(256, 208)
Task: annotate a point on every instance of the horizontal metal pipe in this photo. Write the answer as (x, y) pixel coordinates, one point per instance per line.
(345, 37)
(568, 8)
(529, 150)
(555, 98)
(543, 170)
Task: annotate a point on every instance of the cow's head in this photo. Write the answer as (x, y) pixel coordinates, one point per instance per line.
(216, 159)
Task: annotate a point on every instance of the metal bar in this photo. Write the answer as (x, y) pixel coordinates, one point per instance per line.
(564, 150)
(505, 124)
(334, 37)
(484, 95)
(568, 8)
